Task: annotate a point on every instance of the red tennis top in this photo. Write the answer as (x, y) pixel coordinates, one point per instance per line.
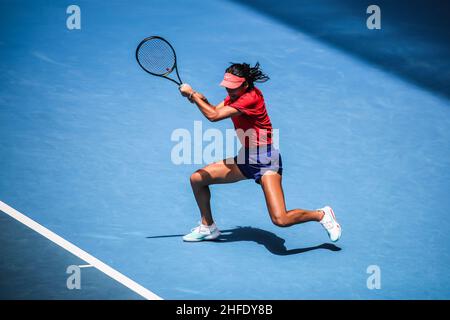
(253, 126)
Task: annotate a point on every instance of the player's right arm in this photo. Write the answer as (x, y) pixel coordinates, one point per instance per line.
(212, 113)
(201, 96)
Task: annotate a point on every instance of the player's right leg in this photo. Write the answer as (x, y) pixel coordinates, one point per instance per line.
(224, 171)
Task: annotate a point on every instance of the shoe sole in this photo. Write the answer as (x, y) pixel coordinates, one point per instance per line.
(337, 224)
(207, 238)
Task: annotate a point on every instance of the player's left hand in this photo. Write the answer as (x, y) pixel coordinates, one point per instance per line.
(185, 90)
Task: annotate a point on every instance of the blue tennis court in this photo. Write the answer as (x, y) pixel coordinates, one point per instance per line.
(87, 176)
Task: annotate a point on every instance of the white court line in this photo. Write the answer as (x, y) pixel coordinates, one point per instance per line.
(116, 275)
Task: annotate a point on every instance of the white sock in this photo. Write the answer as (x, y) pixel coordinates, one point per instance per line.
(213, 226)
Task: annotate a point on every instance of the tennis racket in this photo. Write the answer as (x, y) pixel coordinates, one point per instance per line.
(157, 56)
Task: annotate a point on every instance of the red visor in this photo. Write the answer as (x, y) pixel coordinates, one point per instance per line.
(231, 81)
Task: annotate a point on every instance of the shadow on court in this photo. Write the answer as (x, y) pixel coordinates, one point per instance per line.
(413, 42)
(269, 240)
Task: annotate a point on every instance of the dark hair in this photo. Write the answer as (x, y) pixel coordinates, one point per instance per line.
(251, 74)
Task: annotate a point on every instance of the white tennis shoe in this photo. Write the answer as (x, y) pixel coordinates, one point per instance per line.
(202, 233)
(330, 223)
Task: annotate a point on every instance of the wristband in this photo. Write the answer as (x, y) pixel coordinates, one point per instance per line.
(192, 93)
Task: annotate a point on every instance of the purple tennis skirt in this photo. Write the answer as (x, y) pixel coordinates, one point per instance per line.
(255, 162)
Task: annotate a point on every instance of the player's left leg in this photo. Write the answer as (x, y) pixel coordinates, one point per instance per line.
(273, 192)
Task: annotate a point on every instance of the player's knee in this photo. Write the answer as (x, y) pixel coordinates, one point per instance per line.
(196, 179)
(279, 221)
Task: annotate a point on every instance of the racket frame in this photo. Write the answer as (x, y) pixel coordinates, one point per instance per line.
(165, 75)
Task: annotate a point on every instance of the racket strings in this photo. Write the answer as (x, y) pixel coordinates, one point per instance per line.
(157, 57)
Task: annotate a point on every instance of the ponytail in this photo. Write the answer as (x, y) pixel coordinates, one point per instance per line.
(251, 74)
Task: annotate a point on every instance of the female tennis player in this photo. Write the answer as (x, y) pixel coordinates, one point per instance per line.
(258, 159)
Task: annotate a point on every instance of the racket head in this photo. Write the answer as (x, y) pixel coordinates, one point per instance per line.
(157, 56)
